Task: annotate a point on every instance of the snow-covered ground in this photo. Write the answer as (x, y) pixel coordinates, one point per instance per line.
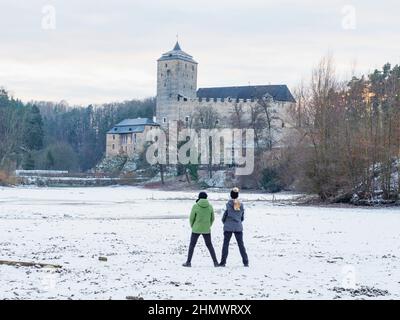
(295, 252)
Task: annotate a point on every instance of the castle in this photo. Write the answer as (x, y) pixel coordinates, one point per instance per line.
(179, 100)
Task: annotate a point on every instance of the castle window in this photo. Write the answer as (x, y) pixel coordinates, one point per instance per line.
(202, 120)
(192, 68)
(217, 122)
(166, 65)
(113, 136)
(134, 137)
(187, 118)
(113, 146)
(283, 124)
(164, 120)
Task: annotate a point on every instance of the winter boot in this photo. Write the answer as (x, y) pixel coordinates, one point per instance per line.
(187, 264)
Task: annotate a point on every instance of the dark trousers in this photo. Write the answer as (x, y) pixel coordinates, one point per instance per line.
(242, 249)
(207, 240)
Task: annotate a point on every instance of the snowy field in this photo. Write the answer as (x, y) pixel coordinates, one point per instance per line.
(295, 252)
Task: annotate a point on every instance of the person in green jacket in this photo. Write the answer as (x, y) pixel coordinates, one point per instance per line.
(201, 220)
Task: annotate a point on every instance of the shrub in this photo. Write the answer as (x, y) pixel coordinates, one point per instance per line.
(270, 181)
(7, 179)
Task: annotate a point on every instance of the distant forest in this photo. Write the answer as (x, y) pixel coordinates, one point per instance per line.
(45, 135)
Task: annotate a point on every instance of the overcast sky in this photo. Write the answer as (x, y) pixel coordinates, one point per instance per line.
(103, 51)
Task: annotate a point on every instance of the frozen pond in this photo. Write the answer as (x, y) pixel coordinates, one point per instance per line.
(295, 252)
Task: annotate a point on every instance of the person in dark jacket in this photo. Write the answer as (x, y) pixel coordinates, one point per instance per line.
(201, 220)
(232, 219)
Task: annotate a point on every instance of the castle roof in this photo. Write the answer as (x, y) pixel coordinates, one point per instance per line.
(177, 53)
(132, 125)
(277, 92)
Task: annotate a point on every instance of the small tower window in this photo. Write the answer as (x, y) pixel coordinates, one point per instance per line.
(164, 120)
(113, 136)
(113, 146)
(187, 119)
(166, 65)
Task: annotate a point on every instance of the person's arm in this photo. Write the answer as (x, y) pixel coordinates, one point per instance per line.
(242, 213)
(212, 215)
(192, 218)
(225, 215)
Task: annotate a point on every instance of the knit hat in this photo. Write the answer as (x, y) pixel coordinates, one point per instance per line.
(235, 193)
(202, 195)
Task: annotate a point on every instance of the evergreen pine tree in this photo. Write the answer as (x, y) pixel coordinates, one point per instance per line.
(29, 162)
(33, 129)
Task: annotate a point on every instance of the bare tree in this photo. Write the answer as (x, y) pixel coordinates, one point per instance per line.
(207, 118)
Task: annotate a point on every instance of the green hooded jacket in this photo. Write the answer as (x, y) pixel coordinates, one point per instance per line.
(202, 217)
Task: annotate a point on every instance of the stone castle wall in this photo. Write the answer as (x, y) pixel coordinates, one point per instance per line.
(227, 109)
(187, 112)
